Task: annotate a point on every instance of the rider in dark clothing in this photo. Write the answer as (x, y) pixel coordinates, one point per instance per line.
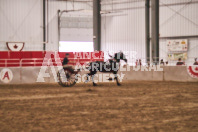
(68, 67)
(66, 60)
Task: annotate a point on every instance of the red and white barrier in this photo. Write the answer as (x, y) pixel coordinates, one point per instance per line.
(25, 75)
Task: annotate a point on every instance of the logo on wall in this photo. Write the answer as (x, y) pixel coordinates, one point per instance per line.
(193, 71)
(6, 75)
(15, 46)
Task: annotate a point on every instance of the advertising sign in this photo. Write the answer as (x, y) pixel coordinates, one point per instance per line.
(179, 45)
(176, 56)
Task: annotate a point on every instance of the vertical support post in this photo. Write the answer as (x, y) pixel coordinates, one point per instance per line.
(147, 28)
(155, 30)
(59, 15)
(96, 24)
(44, 26)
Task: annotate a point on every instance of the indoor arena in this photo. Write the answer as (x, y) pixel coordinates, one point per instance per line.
(99, 65)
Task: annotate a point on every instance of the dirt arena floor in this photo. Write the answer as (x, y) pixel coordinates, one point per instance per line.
(134, 106)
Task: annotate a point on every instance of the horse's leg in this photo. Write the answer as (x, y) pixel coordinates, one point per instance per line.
(92, 73)
(87, 80)
(92, 77)
(116, 77)
(93, 70)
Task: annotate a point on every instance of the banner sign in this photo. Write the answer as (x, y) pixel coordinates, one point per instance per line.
(176, 56)
(179, 45)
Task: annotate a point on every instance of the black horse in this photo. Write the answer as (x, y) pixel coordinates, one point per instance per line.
(111, 67)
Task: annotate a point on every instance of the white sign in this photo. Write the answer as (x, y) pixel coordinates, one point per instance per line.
(6, 75)
(15, 46)
(177, 45)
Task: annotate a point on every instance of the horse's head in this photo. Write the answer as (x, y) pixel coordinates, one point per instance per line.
(120, 56)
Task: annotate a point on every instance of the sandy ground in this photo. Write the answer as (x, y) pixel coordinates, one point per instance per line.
(134, 106)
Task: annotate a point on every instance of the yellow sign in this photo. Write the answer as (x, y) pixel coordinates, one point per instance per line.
(183, 42)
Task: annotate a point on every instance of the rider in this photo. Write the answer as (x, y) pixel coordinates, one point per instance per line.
(66, 60)
(68, 67)
(65, 63)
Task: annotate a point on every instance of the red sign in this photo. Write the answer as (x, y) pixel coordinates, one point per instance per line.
(6, 75)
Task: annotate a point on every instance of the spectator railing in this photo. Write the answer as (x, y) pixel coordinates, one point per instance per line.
(25, 62)
(42, 61)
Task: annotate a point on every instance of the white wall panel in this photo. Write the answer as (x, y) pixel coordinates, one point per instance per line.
(79, 27)
(124, 27)
(67, 33)
(178, 20)
(74, 34)
(124, 30)
(21, 21)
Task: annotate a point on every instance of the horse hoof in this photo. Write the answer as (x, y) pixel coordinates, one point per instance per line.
(119, 84)
(110, 79)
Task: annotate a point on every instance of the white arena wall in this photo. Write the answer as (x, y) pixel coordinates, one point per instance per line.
(177, 20)
(124, 28)
(123, 24)
(29, 75)
(22, 21)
